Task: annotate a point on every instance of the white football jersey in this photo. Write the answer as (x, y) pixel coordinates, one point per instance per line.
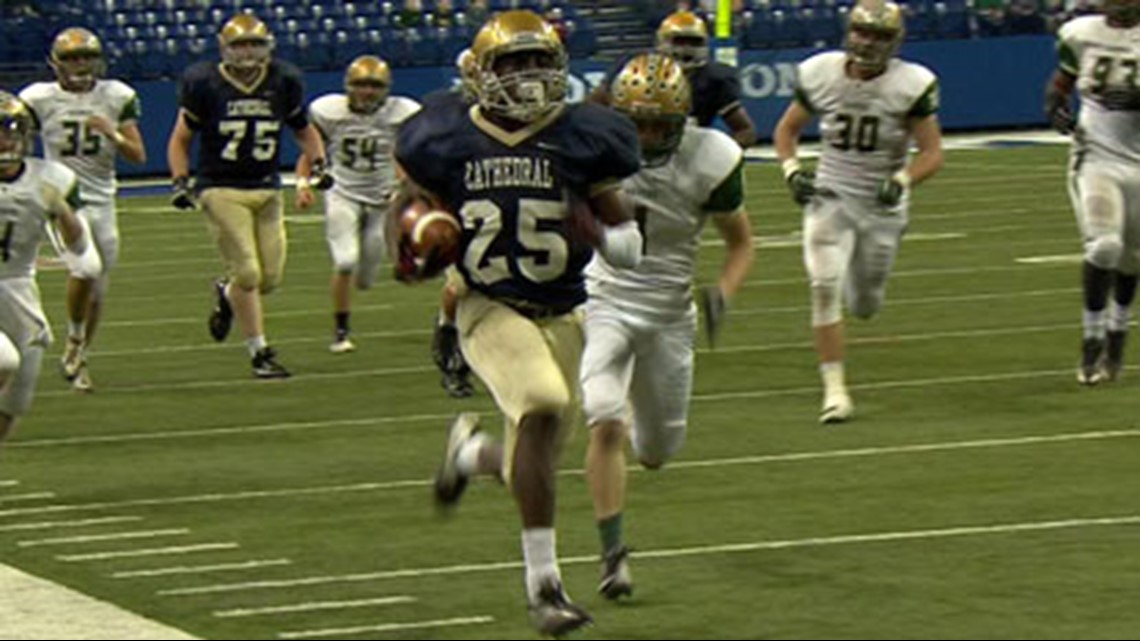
(1105, 61)
(62, 117)
(24, 213)
(863, 123)
(360, 145)
(671, 203)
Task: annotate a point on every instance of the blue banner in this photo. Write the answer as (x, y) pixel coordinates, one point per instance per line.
(986, 83)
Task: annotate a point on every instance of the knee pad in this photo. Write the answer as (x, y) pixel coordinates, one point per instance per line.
(1104, 251)
(9, 359)
(826, 303)
(248, 276)
(603, 399)
(654, 450)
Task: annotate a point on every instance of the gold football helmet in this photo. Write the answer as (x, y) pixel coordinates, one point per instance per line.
(652, 89)
(468, 72)
(77, 59)
(684, 37)
(1122, 13)
(875, 30)
(367, 82)
(520, 66)
(16, 127)
(246, 42)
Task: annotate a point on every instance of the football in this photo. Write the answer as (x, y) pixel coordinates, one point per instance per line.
(431, 233)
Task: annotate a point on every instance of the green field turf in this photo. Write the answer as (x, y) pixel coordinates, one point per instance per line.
(979, 494)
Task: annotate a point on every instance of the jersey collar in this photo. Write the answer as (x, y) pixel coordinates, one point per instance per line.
(518, 136)
(238, 84)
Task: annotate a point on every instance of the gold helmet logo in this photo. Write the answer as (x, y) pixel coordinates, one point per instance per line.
(16, 125)
(652, 89)
(875, 30)
(77, 58)
(684, 37)
(367, 82)
(246, 42)
(520, 66)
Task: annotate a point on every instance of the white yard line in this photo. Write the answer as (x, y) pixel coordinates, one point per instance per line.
(9, 483)
(724, 548)
(302, 378)
(201, 569)
(681, 464)
(35, 608)
(30, 496)
(54, 525)
(313, 606)
(128, 554)
(113, 536)
(386, 627)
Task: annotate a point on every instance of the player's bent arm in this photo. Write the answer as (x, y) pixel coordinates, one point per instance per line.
(787, 133)
(129, 143)
(743, 130)
(81, 257)
(736, 231)
(620, 241)
(927, 135)
(309, 139)
(178, 147)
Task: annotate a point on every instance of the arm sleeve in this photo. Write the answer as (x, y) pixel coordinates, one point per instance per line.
(296, 116)
(192, 100)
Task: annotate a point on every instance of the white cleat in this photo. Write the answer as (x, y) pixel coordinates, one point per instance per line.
(82, 381)
(837, 408)
(449, 480)
(72, 359)
(342, 346)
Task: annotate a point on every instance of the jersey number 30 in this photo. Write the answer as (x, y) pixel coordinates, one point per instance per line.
(264, 138)
(546, 250)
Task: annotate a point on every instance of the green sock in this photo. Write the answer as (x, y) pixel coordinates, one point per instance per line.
(610, 531)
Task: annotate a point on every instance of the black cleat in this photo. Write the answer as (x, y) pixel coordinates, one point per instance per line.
(265, 365)
(616, 579)
(457, 384)
(222, 317)
(1112, 364)
(553, 614)
(1089, 371)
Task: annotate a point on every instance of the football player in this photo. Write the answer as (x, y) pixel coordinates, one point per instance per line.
(237, 108)
(684, 37)
(86, 122)
(534, 182)
(641, 323)
(359, 128)
(33, 194)
(1098, 55)
(870, 105)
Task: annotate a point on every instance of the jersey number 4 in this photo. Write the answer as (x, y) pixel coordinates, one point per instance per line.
(264, 138)
(546, 250)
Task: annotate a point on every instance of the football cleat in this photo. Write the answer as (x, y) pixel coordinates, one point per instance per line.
(457, 384)
(616, 579)
(265, 365)
(222, 318)
(1089, 371)
(82, 381)
(72, 359)
(1112, 363)
(837, 408)
(553, 614)
(342, 345)
(450, 482)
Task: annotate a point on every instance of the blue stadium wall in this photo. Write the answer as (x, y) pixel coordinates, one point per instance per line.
(985, 83)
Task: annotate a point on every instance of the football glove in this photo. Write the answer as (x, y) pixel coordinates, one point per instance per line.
(183, 196)
(319, 176)
(802, 184)
(1060, 111)
(892, 189)
(715, 308)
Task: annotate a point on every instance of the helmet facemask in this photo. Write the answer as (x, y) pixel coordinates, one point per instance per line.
(78, 70)
(247, 54)
(689, 51)
(523, 84)
(366, 96)
(15, 135)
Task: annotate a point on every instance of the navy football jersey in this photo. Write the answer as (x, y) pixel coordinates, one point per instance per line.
(239, 127)
(716, 91)
(511, 191)
(715, 86)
